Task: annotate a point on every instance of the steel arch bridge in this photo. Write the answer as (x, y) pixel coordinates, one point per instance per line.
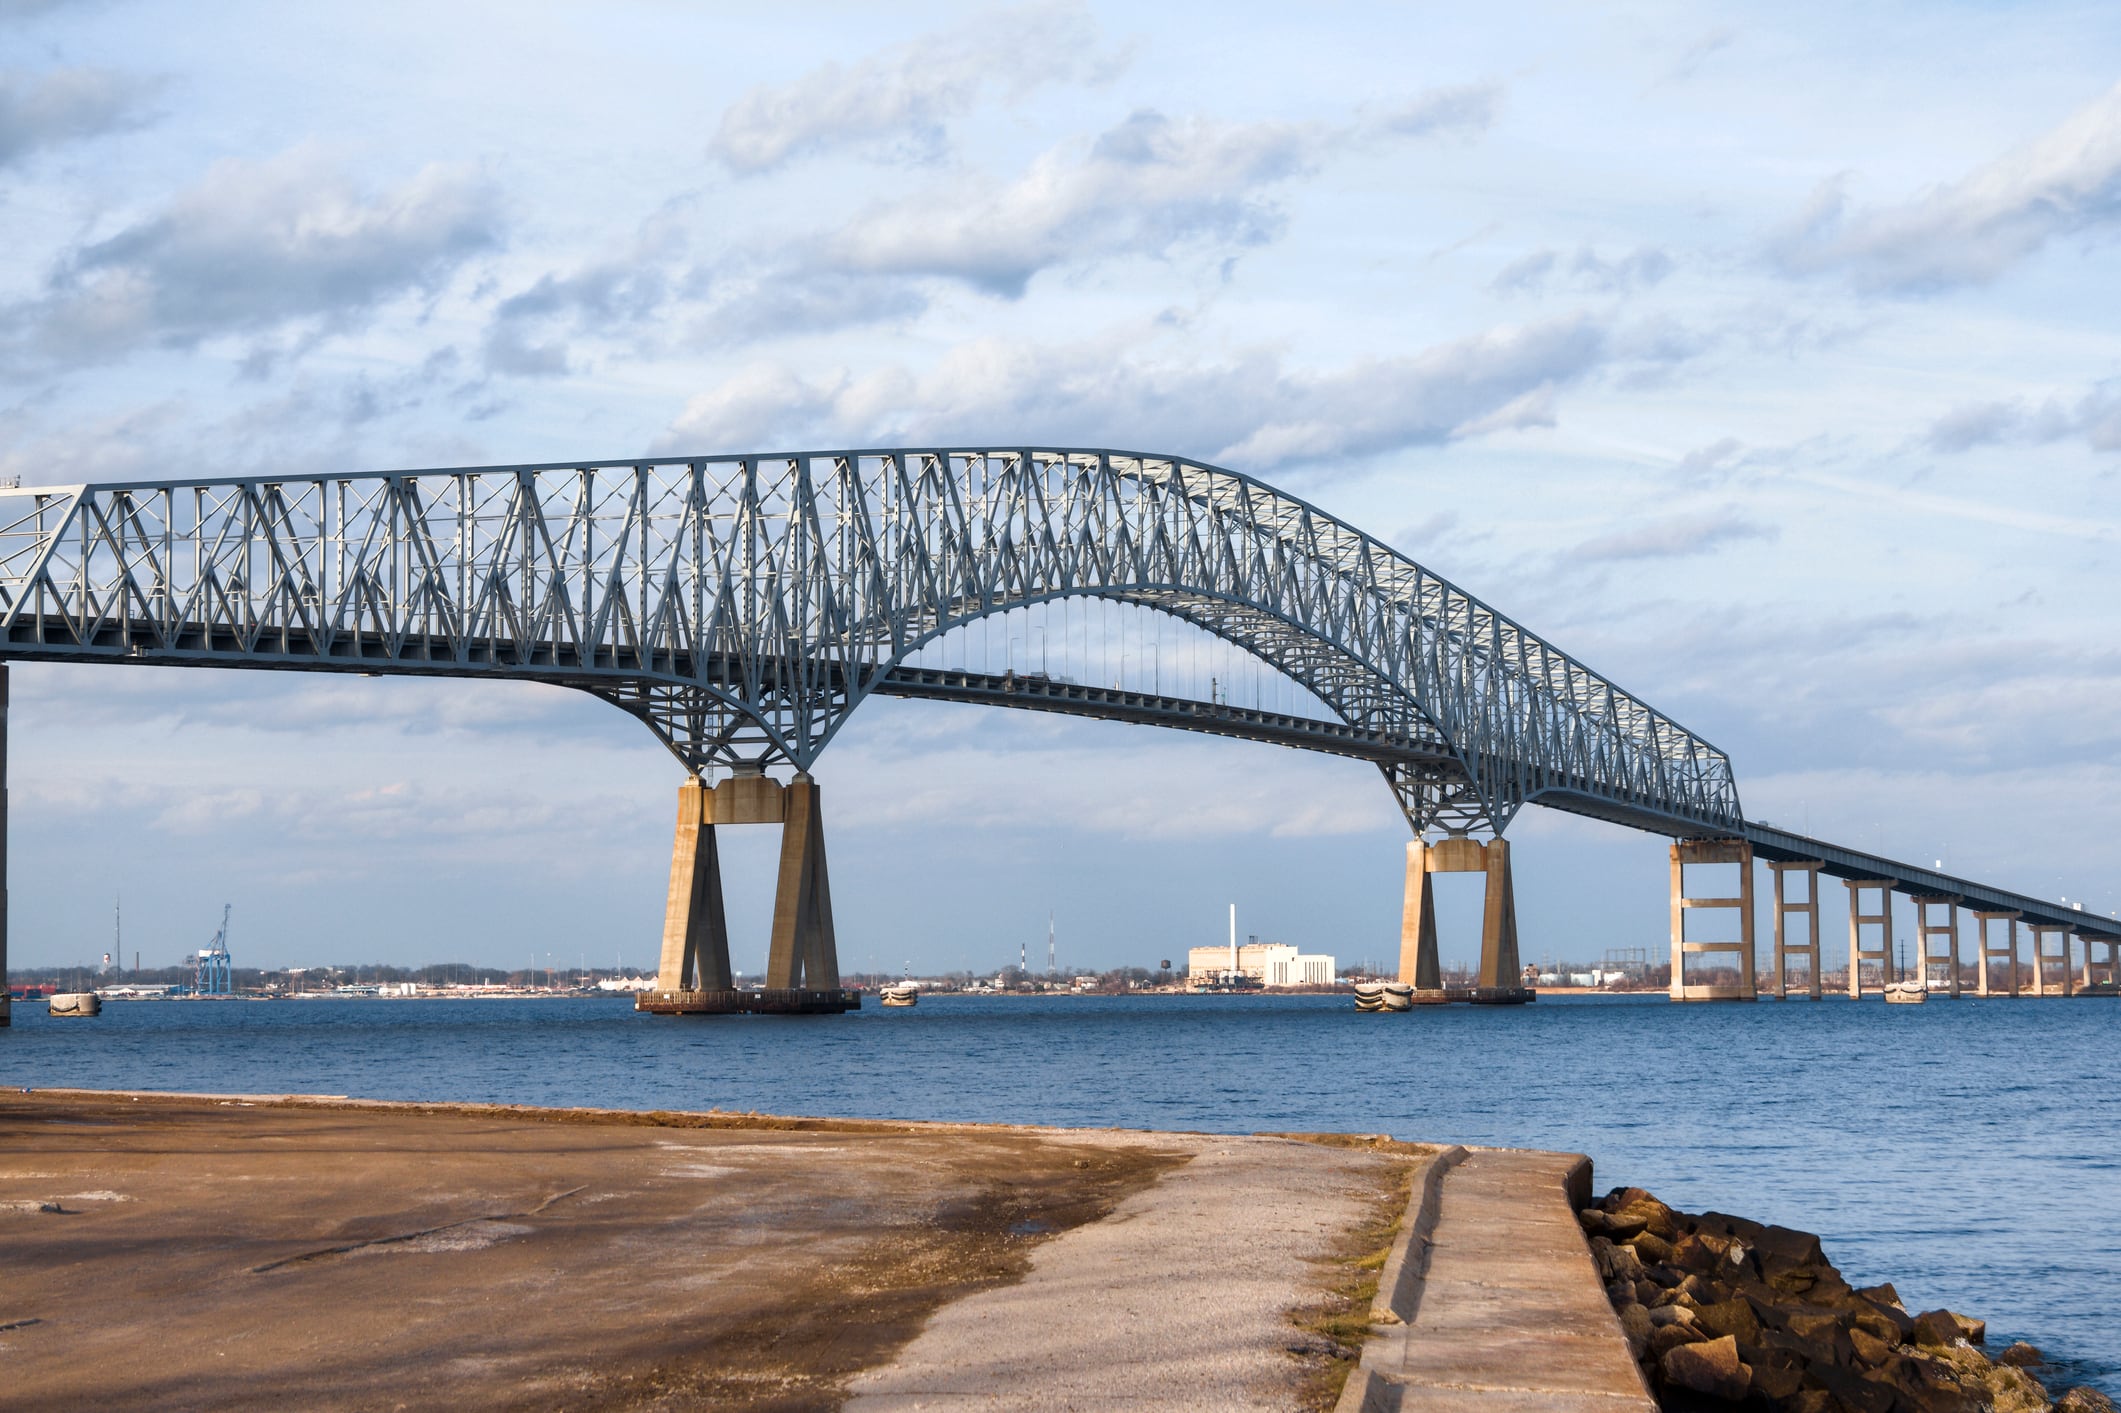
(743, 606)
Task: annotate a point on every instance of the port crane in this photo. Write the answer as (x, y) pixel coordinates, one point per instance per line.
(211, 975)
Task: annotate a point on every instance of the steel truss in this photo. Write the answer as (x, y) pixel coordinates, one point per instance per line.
(743, 606)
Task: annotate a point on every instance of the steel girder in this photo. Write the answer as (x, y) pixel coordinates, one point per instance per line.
(743, 606)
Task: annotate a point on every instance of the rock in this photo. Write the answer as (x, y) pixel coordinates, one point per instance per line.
(2084, 1400)
(1652, 1248)
(1972, 1331)
(1699, 1254)
(1670, 1315)
(1784, 1247)
(1883, 1294)
(1870, 1349)
(1777, 1374)
(1711, 1367)
(2020, 1355)
(1621, 1197)
(1647, 1291)
(2015, 1391)
(1693, 1288)
(1850, 1391)
(1635, 1324)
(1937, 1327)
(1723, 1224)
(1616, 1263)
(1795, 1281)
(1666, 1338)
(1888, 1322)
(1827, 1343)
(1729, 1317)
(1652, 1216)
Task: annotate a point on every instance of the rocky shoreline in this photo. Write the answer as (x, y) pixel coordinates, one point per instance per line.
(1721, 1312)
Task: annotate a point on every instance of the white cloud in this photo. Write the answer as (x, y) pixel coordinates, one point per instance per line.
(1461, 109)
(1674, 536)
(903, 101)
(1972, 230)
(256, 246)
(64, 105)
(2094, 415)
(1251, 411)
(1144, 187)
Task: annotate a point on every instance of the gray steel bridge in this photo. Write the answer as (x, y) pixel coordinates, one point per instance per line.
(743, 606)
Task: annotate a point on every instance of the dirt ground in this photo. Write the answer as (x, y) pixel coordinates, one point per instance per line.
(201, 1253)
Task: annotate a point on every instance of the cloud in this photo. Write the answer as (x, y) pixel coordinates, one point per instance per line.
(64, 105)
(1674, 537)
(900, 103)
(2095, 416)
(1465, 109)
(1638, 269)
(1144, 187)
(257, 246)
(609, 298)
(1970, 231)
(1250, 411)
(1711, 462)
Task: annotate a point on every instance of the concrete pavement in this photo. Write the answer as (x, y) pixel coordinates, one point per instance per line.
(1179, 1300)
(1506, 1312)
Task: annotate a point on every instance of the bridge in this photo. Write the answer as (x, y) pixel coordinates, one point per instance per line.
(741, 608)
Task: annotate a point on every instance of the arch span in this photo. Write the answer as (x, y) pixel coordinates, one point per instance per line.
(744, 606)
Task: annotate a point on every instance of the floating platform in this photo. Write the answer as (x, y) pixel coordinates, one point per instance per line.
(782, 1001)
(1409, 997)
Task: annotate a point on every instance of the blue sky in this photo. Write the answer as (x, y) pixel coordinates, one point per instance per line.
(1753, 354)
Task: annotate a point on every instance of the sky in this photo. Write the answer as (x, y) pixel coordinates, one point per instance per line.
(1753, 354)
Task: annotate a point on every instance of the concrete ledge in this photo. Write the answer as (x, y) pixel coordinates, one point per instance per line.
(1399, 1282)
(1497, 1304)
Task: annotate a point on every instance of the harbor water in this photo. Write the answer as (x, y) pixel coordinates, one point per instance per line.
(1967, 1151)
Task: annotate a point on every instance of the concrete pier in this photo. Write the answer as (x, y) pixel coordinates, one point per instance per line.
(802, 962)
(1879, 956)
(6, 1001)
(1787, 907)
(805, 950)
(1927, 927)
(1698, 853)
(695, 926)
(1501, 980)
(2042, 931)
(1993, 956)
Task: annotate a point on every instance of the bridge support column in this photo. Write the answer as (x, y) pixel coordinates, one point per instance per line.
(1990, 955)
(695, 927)
(1419, 965)
(1926, 927)
(804, 952)
(802, 959)
(1882, 919)
(1501, 973)
(1501, 979)
(6, 1003)
(2102, 975)
(1787, 907)
(2041, 957)
(1699, 852)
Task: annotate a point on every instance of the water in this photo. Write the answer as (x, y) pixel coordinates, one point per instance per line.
(1966, 1151)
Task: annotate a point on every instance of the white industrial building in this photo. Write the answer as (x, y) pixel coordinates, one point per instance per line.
(1268, 963)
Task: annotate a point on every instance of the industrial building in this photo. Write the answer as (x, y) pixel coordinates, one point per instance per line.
(1268, 963)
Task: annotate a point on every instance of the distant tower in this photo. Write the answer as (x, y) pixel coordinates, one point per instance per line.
(1233, 937)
